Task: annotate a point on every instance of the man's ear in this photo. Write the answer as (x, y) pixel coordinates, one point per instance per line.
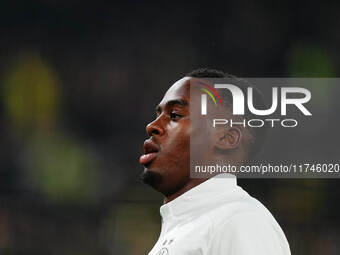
(228, 138)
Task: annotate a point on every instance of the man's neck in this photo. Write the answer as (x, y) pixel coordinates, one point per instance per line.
(188, 186)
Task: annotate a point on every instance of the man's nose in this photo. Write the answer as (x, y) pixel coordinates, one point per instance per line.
(154, 128)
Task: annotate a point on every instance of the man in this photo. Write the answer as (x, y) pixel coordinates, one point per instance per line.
(204, 215)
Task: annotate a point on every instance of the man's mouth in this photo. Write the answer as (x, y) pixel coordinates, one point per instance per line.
(151, 150)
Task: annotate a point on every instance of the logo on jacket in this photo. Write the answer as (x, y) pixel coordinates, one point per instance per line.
(163, 251)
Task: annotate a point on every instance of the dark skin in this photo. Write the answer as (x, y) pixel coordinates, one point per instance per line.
(170, 133)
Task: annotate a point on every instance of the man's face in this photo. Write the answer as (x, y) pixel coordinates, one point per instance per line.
(167, 151)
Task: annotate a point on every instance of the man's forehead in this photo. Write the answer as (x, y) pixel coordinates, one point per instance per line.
(179, 90)
(180, 87)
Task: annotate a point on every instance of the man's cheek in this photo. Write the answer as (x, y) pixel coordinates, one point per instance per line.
(186, 128)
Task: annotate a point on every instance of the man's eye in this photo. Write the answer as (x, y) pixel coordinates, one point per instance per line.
(175, 115)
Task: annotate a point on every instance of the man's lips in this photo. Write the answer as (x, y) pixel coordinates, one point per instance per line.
(147, 158)
(151, 150)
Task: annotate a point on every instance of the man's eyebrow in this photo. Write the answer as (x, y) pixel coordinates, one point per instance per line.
(180, 102)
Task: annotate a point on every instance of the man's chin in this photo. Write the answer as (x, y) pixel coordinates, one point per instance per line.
(151, 178)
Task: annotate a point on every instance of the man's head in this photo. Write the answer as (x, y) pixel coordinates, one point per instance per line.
(167, 151)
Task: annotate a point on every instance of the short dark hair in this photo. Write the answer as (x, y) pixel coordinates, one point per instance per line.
(258, 134)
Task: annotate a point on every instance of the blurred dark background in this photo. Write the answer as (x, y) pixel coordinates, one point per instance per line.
(79, 82)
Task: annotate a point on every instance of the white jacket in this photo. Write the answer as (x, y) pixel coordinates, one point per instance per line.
(218, 217)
